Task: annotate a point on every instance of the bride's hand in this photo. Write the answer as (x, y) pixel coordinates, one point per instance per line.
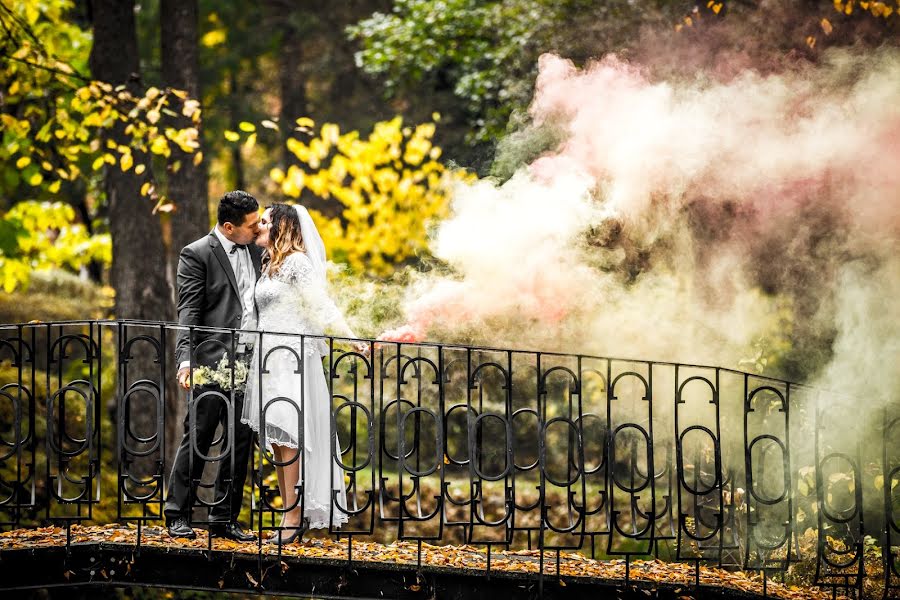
(361, 347)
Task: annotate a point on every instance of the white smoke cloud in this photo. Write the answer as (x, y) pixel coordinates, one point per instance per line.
(678, 220)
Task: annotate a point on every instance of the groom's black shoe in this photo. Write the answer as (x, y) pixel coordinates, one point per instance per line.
(180, 528)
(232, 531)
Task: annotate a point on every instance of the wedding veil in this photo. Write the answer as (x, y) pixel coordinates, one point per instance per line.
(315, 247)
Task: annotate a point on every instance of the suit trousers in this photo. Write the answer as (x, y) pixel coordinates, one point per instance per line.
(208, 410)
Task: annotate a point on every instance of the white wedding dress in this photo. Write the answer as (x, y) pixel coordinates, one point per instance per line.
(294, 300)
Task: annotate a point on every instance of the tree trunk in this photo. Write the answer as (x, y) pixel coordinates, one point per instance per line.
(180, 70)
(138, 272)
(237, 159)
(292, 83)
(138, 267)
(188, 185)
(293, 75)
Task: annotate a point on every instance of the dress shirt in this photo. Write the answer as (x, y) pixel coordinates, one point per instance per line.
(242, 266)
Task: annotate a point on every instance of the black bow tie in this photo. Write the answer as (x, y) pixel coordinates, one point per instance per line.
(237, 246)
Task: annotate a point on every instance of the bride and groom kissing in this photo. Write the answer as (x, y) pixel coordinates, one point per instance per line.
(252, 273)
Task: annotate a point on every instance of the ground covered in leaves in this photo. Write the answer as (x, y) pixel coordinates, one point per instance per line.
(571, 565)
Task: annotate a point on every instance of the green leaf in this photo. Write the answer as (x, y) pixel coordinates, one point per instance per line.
(11, 230)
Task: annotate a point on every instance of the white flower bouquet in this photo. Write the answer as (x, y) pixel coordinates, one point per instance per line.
(221, 375)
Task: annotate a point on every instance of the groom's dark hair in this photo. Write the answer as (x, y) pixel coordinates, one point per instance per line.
(235, 206)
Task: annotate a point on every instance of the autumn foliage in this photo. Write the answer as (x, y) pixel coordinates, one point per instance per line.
(391, 187)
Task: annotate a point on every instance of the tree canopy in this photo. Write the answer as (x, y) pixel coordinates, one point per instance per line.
(263, 66)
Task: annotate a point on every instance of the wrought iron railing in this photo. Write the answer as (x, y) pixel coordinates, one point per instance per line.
(483, 446)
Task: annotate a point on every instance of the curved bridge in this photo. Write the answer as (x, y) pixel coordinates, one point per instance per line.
(459, 462)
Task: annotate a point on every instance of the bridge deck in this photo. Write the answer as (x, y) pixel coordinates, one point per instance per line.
(110, 555)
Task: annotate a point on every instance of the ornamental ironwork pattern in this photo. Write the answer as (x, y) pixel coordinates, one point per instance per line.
(503, 448)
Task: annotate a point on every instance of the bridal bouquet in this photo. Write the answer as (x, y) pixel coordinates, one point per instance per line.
(221, 375)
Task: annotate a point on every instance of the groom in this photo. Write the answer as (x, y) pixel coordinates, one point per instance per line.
(216, 277)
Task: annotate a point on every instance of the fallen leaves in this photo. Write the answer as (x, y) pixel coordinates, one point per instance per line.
(468, 557)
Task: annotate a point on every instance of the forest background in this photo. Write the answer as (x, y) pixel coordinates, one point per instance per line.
(124, 121)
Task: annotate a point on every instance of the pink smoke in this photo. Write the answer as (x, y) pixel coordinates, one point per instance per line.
(638, 151)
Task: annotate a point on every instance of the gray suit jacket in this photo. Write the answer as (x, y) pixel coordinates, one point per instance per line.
(208, 295)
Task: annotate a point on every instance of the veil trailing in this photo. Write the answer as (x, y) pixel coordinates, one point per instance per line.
(315, 247)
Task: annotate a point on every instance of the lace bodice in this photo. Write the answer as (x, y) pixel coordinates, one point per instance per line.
(294, 300)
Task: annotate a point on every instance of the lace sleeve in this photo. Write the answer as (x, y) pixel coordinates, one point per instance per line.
(297, 271)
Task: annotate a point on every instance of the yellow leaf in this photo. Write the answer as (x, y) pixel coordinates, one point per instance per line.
(826, 26)
(717, 7)
(198, 158)
(213, 38)
(36, 179)
(139, 170)
(277, 175)
(145, 189)
(126, 162)
(811, 41)
(160, 146)
(879, 482)
(294, 182)
(23, 162)
(270, 124)
(53, 188)
(330, 133)
(305, 122)
(248, 127)
(98, 162)
(32, 13)
(191, 108)
(153, 116)
(232, 136)
(250, 142)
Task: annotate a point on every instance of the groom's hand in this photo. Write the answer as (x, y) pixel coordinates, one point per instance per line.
(184, 377)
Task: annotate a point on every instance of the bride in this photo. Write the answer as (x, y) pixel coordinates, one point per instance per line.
(286, 377)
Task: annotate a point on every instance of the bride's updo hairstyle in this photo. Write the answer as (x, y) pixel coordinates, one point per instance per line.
(284, 236)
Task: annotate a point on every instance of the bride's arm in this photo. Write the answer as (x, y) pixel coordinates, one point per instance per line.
(316, 300)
